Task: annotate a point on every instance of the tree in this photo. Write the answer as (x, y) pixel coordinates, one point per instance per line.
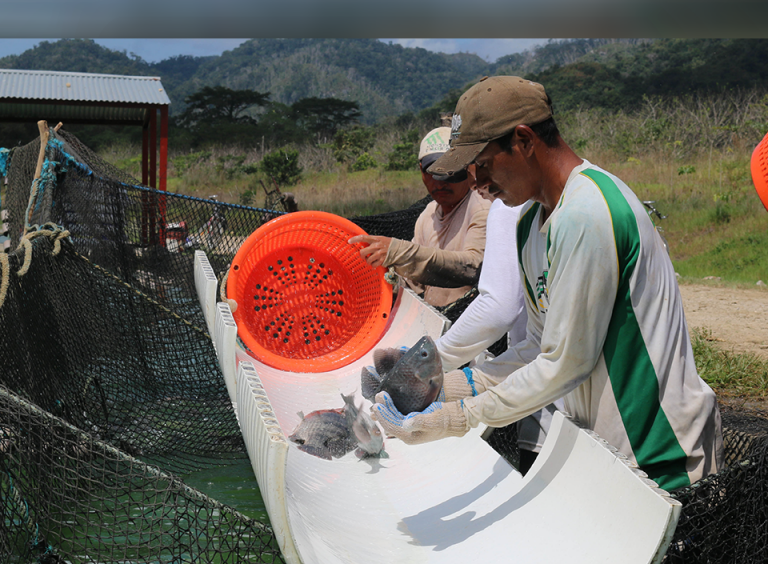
(216, 114)
(219, 104)
(325, 116)
(349, 144)
(277, 125)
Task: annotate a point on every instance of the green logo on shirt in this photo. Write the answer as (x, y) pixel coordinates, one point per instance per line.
(542, 294)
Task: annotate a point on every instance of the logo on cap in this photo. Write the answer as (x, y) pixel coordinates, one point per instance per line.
(455, 126)
(435, 144)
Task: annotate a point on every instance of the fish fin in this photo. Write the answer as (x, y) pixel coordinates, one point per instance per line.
(362, 454)
(350, 409)
(370, 382)
(300, 414)
(350, 399)
(385, 359)
(316, 451)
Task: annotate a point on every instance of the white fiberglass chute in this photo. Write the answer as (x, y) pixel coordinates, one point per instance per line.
(454, 500)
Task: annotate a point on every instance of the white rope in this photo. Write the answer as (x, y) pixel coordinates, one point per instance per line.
(223, 293)
(5, 276)
(55, 233)
(25, 245)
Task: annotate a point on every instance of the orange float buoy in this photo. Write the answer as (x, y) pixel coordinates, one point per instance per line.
(759, 166)
(306, 300)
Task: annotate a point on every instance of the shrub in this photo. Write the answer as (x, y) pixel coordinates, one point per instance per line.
(404, 155)
(247, 198)
(282, 166)
(183, 163)
(349, 144)
(363, 162)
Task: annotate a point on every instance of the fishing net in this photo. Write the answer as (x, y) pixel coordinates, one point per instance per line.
(110, 387)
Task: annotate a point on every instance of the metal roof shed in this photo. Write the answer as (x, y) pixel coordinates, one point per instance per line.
(87, 98)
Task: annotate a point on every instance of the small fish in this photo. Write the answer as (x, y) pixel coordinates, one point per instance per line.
(369, 438)
(324, 433)
(332, 433)
(412, 377)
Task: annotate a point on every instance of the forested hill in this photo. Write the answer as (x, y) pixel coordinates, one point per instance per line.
(391, 80)
(384, 79)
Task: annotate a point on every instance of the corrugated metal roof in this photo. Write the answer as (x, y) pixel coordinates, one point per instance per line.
(81, 87)
(69, 113)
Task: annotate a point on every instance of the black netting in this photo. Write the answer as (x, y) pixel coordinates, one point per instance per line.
(398, 224)
(110, 386)
(66, 496)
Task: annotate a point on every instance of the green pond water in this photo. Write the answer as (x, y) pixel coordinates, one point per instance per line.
(233, 485)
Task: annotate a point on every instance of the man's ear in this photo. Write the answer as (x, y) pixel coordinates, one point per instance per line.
(526, 138)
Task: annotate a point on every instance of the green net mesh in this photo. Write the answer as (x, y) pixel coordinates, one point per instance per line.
(110, 387)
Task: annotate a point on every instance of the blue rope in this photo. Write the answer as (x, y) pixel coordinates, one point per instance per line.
(71, 161)
(4, 154)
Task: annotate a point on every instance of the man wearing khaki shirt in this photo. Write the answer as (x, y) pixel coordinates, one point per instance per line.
(442, 261)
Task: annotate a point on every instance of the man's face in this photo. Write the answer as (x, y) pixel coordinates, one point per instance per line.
(503, 174)
(482, 190)
(446, 194)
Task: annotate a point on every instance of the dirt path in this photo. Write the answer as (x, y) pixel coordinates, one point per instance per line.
(737, 317)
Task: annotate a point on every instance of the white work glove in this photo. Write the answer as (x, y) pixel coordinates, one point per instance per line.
(459, 384)
(437, 421)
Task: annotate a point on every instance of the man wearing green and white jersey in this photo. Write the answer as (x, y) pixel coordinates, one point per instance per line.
(606, 329)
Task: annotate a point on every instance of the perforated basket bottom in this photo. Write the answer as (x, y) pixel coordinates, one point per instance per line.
(307, 301)
(300, 307)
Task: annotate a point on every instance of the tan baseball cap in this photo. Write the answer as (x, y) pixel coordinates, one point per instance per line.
(490, 109)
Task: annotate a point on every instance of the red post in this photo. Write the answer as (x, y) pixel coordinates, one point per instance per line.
(163, 168)
(144, 180)
(153, 235)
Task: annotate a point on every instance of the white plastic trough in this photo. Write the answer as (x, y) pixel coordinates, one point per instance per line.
(454, 500)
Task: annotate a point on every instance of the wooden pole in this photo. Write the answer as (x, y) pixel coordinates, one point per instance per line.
(42, 126)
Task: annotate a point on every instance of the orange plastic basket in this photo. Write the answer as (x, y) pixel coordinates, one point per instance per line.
(759, 166)
(306, 300)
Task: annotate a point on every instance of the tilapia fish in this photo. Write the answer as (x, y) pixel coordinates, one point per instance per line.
(370, 441)
(324, 433)
(332, 433)
(412, 377)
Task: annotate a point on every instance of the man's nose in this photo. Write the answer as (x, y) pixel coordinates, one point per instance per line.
(482, 180)
(471, 172)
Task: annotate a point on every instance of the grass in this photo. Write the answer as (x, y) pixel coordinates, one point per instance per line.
(366, 192)
(730, 374)
(716, 224)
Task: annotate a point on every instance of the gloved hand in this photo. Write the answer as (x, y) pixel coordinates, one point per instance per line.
(437, 421)
(375, 253)
(459, 384)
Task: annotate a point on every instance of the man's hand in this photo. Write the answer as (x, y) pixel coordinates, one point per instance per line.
(376, 252)
(459, 384)
(437, 421)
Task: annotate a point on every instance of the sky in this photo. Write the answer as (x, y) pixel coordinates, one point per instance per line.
(154, 50)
